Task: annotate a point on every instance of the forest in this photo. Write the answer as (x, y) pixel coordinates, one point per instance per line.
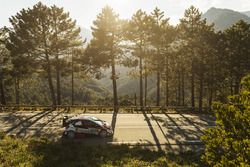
(45, 61)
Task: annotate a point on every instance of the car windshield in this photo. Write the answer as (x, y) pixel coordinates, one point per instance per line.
(97, 120)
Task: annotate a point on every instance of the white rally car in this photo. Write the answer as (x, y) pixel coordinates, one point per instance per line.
(82, 124)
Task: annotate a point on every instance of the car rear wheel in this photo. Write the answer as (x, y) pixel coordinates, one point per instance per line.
(103, 134)
(71, 134)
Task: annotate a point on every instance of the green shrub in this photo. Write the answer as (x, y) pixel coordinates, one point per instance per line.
(43, 152)
(228, 144)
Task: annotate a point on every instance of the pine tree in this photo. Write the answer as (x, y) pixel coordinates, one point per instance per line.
(65, 37)
(43, 34)
(228, 143)
(5, 64)
(158, 25)
(137, 35)
(238, 53)
(195, 32)
(105, 48)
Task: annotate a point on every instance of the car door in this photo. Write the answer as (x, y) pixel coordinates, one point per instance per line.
(93, 127)
(80, 127)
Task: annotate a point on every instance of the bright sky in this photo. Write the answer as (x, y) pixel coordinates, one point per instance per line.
(85, 11)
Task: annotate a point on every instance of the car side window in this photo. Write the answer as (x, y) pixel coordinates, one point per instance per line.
(89, 124)
(78, 124)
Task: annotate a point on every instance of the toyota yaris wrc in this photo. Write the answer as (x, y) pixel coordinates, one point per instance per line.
(82, 124)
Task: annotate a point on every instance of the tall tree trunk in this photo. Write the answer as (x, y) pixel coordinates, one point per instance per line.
(231, 85)
(176, 95)
(58, 80)
(72, 81)
(17, 88)
(210, 98)
(3, 101)
(48, 68)
(179, 88)
(114, 86)
(141, 80)
(146, 87)
(201, 93)
(51, 87)
(192, 90)
(158, 88)
(58, 65)
(237, 85)
(183, 86)
(167, 80)
(114, 77)
(135, 99)
(158, 83)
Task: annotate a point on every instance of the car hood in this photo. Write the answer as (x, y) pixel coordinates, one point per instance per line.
(106, 125)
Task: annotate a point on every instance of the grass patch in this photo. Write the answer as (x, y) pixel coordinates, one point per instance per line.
(43, 152)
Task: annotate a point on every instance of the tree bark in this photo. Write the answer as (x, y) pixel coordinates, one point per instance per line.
(51, 87)
(146, 87)
(58, 68)
(210, 98)
(179, 88)
(114, 86)
(48, 69)
(201, 93)
(176, 95)
(17, 88)
(135, 99)
(3, 101)
(72, 81)
(192, 90)
(167, 80)
(141, 80)
(114, 77)
(158, 75)
(58, 80)
(183, 87)
(237, 85)
(231, 85)
(158, 88)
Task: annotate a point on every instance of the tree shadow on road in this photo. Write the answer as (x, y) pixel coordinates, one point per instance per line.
(157, 142)
(23, 125)
(181, 137)
(38, 131)
(26, 122)
(157, 121)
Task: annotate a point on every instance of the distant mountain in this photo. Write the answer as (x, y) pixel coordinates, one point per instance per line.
(224, 18)
(86, 33)
(246, 13)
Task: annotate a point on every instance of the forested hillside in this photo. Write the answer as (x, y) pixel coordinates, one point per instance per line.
(247, 13)
(224, 18)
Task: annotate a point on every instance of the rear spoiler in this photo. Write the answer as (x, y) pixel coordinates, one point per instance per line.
(64, 123)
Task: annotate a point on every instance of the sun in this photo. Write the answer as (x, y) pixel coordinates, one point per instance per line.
(120, 6)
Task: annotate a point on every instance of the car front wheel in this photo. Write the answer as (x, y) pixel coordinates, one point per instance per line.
(103, 134)
(71, 134)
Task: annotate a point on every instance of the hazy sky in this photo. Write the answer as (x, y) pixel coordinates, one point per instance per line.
(85, 11)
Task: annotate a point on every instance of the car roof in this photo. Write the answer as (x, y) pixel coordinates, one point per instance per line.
(82, 117)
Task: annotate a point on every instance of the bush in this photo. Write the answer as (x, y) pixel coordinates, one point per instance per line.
(43, 152)
(228, 144)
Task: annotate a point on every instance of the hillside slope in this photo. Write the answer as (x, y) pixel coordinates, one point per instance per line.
(224, 18)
